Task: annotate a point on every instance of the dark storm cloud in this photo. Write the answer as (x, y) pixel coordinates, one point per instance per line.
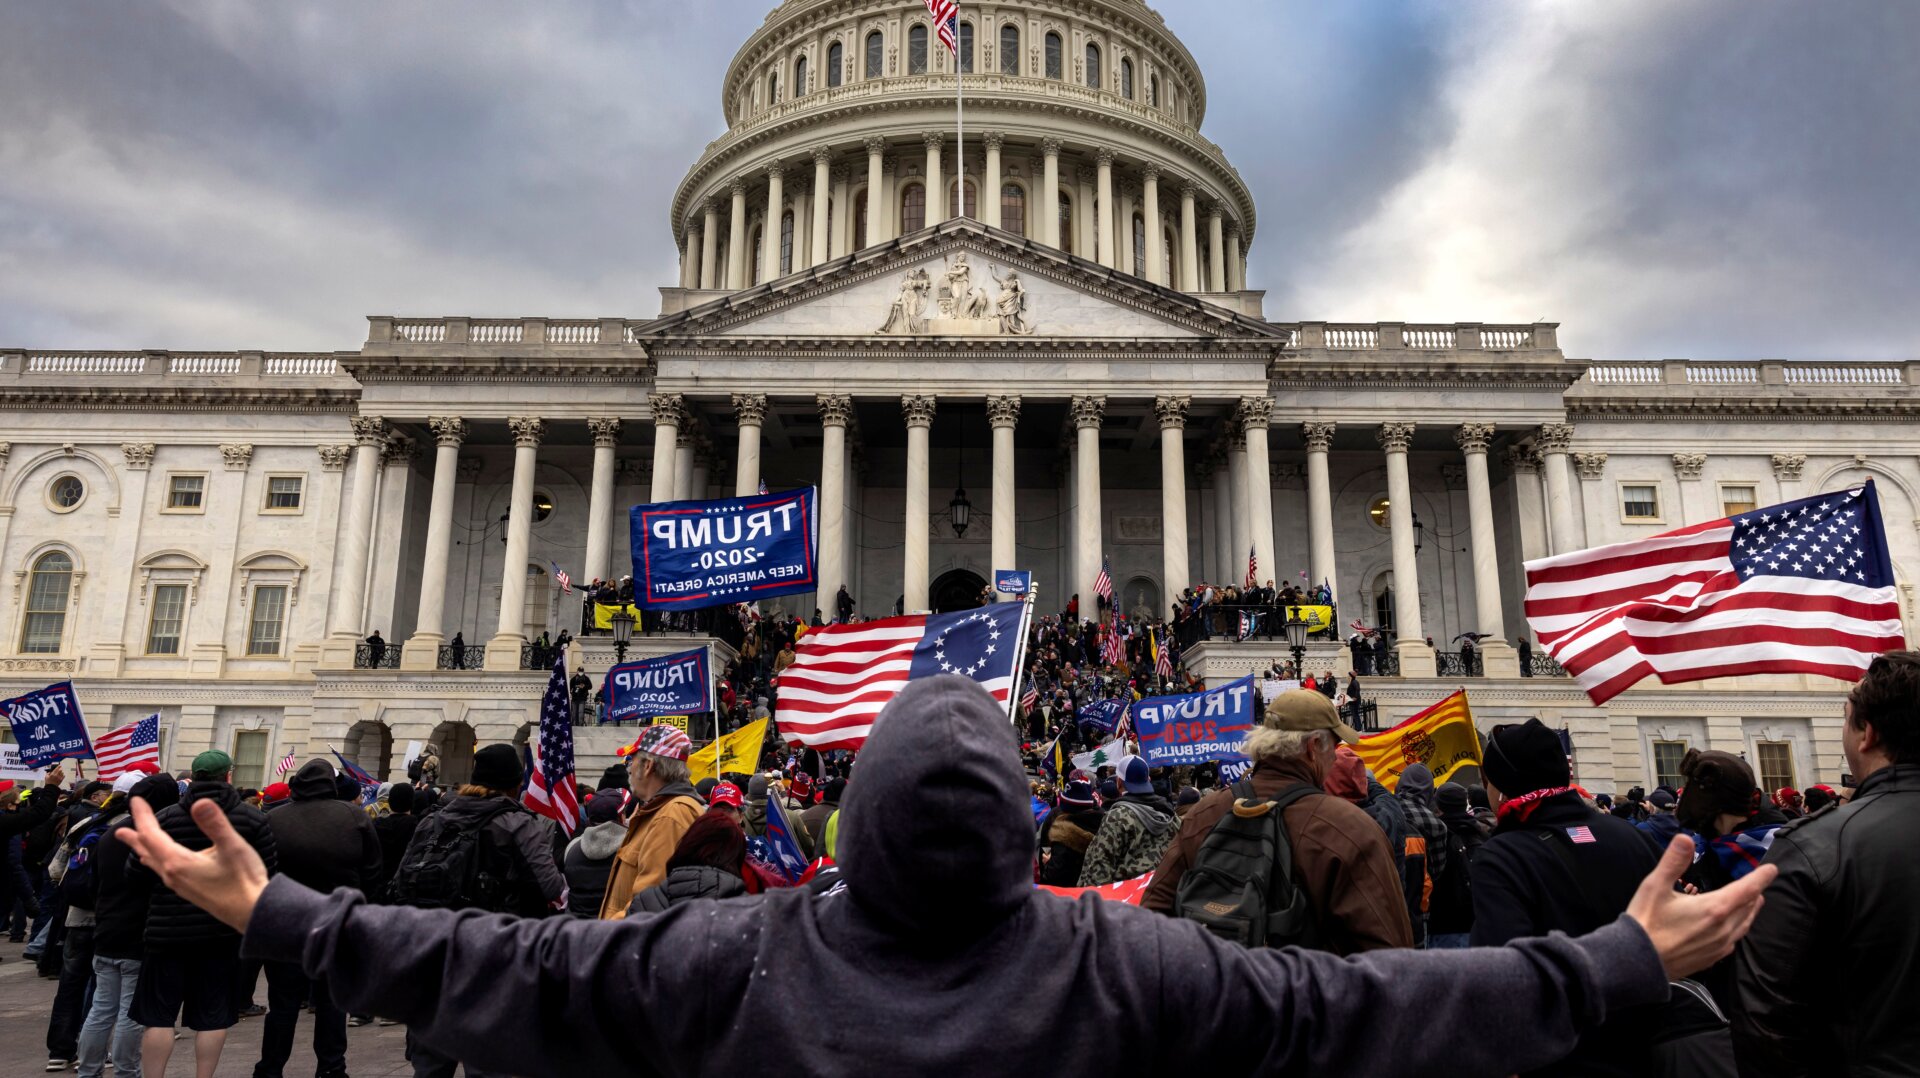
(1665, 178)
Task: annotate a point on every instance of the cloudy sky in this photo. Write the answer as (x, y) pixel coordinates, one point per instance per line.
(1738, 178)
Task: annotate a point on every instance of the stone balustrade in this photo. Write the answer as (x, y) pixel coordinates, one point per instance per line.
(1459, 337)
(383, 329)
(162, 364)
(1816, 373)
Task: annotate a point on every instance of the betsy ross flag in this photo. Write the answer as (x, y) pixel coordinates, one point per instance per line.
(1103, 584)
(1253, 568)
(285, 765)
(118, 751)
(842, 675)
(946, 15)
(1800, 588)
(566, 582)
(550, 780)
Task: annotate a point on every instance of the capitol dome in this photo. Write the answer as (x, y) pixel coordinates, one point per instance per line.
(830, 102)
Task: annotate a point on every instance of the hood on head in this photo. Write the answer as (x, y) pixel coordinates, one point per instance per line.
(938, 832)
(1417, 780)
(313, 782)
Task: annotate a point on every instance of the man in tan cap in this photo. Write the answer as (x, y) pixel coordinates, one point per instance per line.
(1340, 856)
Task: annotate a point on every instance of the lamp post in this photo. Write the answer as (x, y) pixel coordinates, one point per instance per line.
(1297, 627)
(622, 634)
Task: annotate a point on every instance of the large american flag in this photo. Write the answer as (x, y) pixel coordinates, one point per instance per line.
(118, 750)
(1253, 567)
(842, 675)
(550, 783)
(1800, 588)
(559, 574)
(1103, 584)
(1113, 649)
(1162, 658)
(946, 16)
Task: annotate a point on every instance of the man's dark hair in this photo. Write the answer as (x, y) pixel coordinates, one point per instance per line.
(1888, 699)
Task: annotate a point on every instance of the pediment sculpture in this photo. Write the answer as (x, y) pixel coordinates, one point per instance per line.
(963, 307)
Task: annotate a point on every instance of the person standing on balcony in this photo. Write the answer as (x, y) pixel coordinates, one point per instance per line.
(376, 650)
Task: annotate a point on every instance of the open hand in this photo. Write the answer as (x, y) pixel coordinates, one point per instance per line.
(226, 880)
(1693, 931)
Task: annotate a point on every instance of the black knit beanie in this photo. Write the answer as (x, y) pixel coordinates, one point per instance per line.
(1525, 757)
(497, 767)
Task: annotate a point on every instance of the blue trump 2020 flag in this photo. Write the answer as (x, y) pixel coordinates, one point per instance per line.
(678, 684)
(1012, 581)
(781, 851)
(694, 554)
(1196, 727)
(48, 726)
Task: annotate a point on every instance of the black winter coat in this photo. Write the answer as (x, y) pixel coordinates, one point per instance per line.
(687, 884)
(325, 842)
(33, 810)
(174, 925)
(394, 832)
(120, 913)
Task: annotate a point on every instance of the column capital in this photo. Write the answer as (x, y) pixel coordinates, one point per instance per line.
(1237, 440)
(1003, 411)
(369, 430)
(1088, 412)
(1473, 437)
(668, 409)
(842, 174)
(1319, 436)
(1556, 437)
(606, 432)
(994, 140)
(1395, 437)
(1523, 458)
(835, 410)
(1453, 476)
(1216, 212)
(237, 455)
(1688, 465)
(775, 170)
(740, 185)
(1189, 190)
(876, 145)
(139, 455)
(822, 155)
(397, 449)
(918, 410)
(447, 429)
(889, 165)
(715, 207)
(1104, 157)
(469, 469)
(751, 408)
(1150, 174)
(1172, 412)
(526, 430)
(332, 457)
(934, 139)
(686, 438)
(1590, 465)
(1254, 411)
(1787, 466)
(1050, 147)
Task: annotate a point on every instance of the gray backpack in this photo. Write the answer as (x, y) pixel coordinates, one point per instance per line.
(1241, 884)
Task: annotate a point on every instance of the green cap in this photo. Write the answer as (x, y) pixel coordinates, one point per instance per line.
(212, 764)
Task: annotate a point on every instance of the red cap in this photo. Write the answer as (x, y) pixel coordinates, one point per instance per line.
(6, 785)
(145, 767)
(726, 793)
(279, 791)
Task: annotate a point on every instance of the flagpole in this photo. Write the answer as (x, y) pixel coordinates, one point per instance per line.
(960, 121)
(1026, 622)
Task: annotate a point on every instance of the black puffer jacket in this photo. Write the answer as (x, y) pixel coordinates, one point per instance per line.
(322, 841)
(686, 884)
(174, 925)
(1067, 837)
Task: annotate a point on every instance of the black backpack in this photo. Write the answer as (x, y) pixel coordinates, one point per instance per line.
(455, 863)
(1241, 884)
(80, 884)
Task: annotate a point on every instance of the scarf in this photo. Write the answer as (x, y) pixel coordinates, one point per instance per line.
(1740, 852)
(1522, 807)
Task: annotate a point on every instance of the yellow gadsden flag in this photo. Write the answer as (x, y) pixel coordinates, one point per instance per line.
(736, 753)
(1443, 737)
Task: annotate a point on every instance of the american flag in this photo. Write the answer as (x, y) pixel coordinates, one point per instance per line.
(946, 16)
(118, 750)
(286, 764)
(1805, 587)
(1103, 584)
(566, 582)
(1113, 648)
(842, 675)
(550, 783)
(1581, 835)
(763, 486)
(1162, 660)
(1253, 567)
(1031, 699)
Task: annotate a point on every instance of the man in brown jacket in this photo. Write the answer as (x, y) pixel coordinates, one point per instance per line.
(657, 776)
(1340, 856)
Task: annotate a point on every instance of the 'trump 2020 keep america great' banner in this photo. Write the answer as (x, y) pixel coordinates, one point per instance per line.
(1197, 727)
(48, 726)
(688, 555)
(679, 684)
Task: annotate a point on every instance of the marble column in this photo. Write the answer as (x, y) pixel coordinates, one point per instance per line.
(1047, 199)
(919, 415)
(737, 238)
(1174, 557)
(876, 196)
(350, 587)
(1123, 232)
(1088, 413)
(751, 408)
(710, 247)
(690, 261)
(840, 225)
(1216, 251)
(684, 445)
(822, 193)
(936, 185)
(990, 187)
(668, 410)
(1416, 658)
(1497, 656)
(1003, 414)
(1554, 441)
(1223, 573)
(503, 650)
(770, 232)
(1236, 263)
(1242, 507)
(1189, 240)
(1150, 197)
(422, 650)
(701, 485)
(1255, 414)
(1103, 202)
(835, 413)
(606, 439)
(1319, 440)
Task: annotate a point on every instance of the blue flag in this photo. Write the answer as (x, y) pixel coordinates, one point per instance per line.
(1103, 713)
(694, 554)
(783, 850)
(369, 786)
(48, 726)
(1012, 581)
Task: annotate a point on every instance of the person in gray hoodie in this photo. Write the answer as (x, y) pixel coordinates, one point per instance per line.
(908, 968)
(589, 858)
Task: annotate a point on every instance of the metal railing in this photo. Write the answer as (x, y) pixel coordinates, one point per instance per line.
(364, 657)
(461, 657)
(1456, 664)
(1543, 665)
(1363, 716)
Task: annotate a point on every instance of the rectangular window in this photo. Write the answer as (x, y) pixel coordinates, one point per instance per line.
(1666, 763)
(186, 491)
(966, 48)
(264, 628)
(169, 611)
(1737, 498)
(1639, 501)
(284, 493)
(1776, 765)
(249, 758)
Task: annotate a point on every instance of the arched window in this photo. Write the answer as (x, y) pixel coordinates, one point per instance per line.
(48, 589)
(836, 64)
(1066, 221)
(1383, 602)
(756, 243)
(913, 208)
(1139, 246)
(973, 200)
(1013, 209)
(1126, 79)
(1093, 66)
(860, 221)
(966, 48)
(800, 77)
(1153, 90)
(917, 50)
(1053, 55)
(1169, 243)
(773, 88)
(786, 243)
(876, 54)
(1009, 49)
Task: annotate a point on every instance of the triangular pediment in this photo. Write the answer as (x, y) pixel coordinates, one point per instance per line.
(959, 279)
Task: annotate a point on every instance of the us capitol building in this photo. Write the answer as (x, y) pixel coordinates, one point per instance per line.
(1058, 324)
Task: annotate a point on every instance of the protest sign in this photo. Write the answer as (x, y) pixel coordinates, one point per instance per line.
(1012, 581)
(13, 768)
(1104, 714)
(1273, 686)
(695, 554)
(677, 684)
(48, 726)
(1196, 727)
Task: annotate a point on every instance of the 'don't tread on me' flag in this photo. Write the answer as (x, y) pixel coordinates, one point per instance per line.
(1443, 737)
(1805, 587)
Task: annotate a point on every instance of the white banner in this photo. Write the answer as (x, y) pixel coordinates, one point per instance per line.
(12, 768)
